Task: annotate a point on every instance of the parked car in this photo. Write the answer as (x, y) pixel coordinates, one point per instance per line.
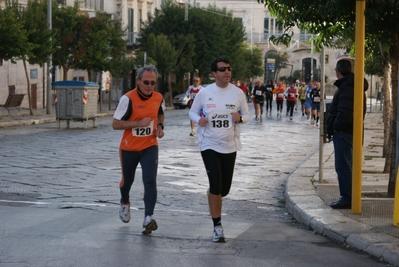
(181, 101)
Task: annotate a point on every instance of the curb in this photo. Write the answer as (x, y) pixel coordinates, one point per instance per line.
(35, 121)
(304, 204)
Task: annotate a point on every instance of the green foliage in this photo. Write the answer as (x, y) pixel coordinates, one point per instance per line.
(99, 41)
(81, 42)
(251, 63)
(24, 32)
(199, 40)
(161, 50)
(38, 33)
(297, 74)
(121, 67)
(13, 38)
(66, 25)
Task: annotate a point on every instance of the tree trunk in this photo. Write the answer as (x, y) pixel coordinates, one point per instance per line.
(65, 73)
(170, 90)
(386, 152)
(28, 82)
(394, 56)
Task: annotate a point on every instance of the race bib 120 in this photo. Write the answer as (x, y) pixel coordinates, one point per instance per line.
(143, 131)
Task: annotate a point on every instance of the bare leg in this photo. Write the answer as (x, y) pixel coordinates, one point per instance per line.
(215, 205)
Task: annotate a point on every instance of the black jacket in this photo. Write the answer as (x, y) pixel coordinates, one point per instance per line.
(340, 113)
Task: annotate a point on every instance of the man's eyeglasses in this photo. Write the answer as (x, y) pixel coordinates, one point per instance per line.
(223, 69)
(148, 82)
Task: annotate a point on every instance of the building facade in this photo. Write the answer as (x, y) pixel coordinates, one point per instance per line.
(260, 25)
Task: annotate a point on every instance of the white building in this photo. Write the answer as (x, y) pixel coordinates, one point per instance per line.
(256, 19)
(12, 76)
(260, 25)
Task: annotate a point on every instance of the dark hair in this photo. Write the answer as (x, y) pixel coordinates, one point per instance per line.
(344, 66)
(214, 64)
(269, 81)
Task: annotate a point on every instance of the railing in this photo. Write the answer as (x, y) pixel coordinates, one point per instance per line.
(263, 37)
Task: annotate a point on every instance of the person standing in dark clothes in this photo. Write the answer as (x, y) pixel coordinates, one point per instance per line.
(340, 128)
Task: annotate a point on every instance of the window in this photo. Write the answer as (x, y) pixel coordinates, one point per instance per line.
(304, 36)
(266, 30)
(272, 27)
(130, 26)
(11, 89)
(239, 20)
(140, 17)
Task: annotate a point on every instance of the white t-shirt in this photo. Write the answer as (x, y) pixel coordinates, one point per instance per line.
(221, 134)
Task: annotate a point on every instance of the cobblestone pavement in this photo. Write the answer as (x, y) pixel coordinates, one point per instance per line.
(61, 186)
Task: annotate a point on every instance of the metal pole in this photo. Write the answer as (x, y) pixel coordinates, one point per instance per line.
(49, 64)
(358, 109)
(252, 26)
(311, 60)
(371, 91)
(321, 130)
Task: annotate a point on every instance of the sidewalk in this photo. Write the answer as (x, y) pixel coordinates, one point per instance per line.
(371, 231)
(307, 199)
(23, 117)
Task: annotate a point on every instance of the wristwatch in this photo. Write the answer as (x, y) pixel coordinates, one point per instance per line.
(160, 124)
(241, 119)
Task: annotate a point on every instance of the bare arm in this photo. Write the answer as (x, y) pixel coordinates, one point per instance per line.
(123, 125)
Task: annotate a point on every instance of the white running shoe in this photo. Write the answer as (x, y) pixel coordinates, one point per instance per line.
(149, 225)
(192, 133)
(218, 235)
(124, 213)
(312, 122)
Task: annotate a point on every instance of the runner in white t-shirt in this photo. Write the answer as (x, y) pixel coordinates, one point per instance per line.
(219, 109)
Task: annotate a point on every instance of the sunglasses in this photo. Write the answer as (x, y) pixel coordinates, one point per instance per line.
(196, 80)
(148, 82)
(223, 69)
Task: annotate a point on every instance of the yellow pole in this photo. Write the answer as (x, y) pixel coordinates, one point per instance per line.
(396, 202)
(358, 108)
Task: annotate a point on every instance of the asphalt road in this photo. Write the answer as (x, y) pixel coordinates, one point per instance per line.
(59, 200)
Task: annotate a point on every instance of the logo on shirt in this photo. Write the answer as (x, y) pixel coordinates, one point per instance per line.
(210, 99)
(220, 116)
(211, 105)
(230, 106)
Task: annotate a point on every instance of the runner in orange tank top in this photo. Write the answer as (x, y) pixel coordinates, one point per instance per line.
(140, 114)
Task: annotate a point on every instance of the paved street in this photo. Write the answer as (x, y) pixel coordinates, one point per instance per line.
(59, 200)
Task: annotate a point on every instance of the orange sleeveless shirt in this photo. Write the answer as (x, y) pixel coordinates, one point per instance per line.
(140, 138)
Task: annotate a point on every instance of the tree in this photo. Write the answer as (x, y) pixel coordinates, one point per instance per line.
(100, 39)
(200, 39)
(166, 56)
(330, 20)
(66, 25)
(86, 43)
(25, 35)
(281, 61)
(251, 64)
